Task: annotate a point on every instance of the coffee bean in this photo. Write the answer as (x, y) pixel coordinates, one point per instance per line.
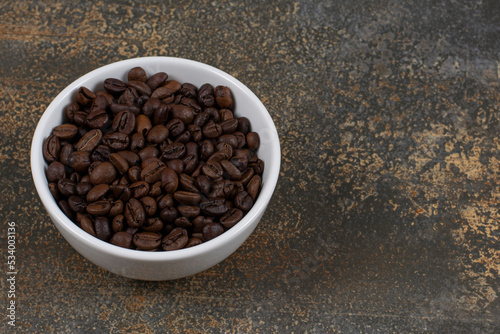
(114, 86)
(156, 80)
(187, 197)
(117, 208)
(157, 134)
(147, 240)
(152, 172)
(212, 129)
(103, 173)
(253, 186)
(193, 242)
(212, 230)
(153, 225)
(65, 131)
(76, 203)
(89, 141)
(98, 119)
(174, 150)
(189, 211)
(176, 239)
(134, 213)
(243, 201)
(55, 171)
(85, 96)
(51, 148)
(214, 207)
(122, 239)
(87, 225)
(124, 122)
(224, 97)
(101, 153)
(206, 95)
(253, 140)
(99, 208)
(79, 161)
(138, 74)
(119, 162)
(66, 187)
(103, 228)
(140, 87)
(139, 189)
(97, 192)
(232, 217)
(118, 141)
(183, 112)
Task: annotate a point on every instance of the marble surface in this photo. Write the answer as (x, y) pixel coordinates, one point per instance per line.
(386, 215)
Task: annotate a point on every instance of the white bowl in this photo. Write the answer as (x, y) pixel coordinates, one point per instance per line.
(158, 266)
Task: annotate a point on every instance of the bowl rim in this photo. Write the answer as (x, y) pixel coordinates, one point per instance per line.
(38, 174)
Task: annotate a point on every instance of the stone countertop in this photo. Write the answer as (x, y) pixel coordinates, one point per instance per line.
(386, 215)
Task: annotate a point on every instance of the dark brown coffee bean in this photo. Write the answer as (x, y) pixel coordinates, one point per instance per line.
(240, 162)
(65, 131)
(132, 158)
(232, 217)
(140, 87)
(186, 197)
(247, 175)
(157, 80)
(226, 114)
(147, 240)
(99, 103)
(169, 214)
(187, 183)
(243, 201)
(83, 188)
(114, 86)
(121, 192)
(119, 162)
(137, 141)
(54, 190)
(203, 184)
(157, 134)
(103, 173)
(99, 208)
(229, 126)
(97, 193)
(174, 85)
(176, 239)
(149, 108)
(243, 125)
(206, 149)
(206, 95)
(224, 148)
(201, 119)
(77, 204)
(160, 115)
(193, 242)
(139, 189)
(103, 229)
(55, 171)
(224, 97)
(222, 189)
(212, 230)
(162, 93)
(134, 213)
(257, 165)
(117, 208)
(122, 239)
(153, 225)
(128, 97)
(253, 141)
(214, 207)
(64, 154)
(117, 108)
(242, 140)
(71, 109)
(80, 119)
(177, 165)
(169, 180)
(89, 141)
(189, 211)
(189, 90)
(152, 172)
(253, 186)
(149, 205)
(192, 148)
(66, 187)
(212, 129)
(87, 225)
(182, 222)
(229, 139)
(124, 122)
(80, 161)
(98, 119)
(85, 96)
(118, 141)
(101, 153)
(174, 150)
(230, 170)
(212, 169)
(183, 112)
(118, 223)
(138, 74)
(184, 137)
(134, 173)
(51, 148)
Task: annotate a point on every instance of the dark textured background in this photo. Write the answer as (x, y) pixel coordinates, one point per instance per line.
(386, 215)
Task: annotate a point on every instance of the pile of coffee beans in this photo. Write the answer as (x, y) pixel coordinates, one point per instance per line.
(154, 164)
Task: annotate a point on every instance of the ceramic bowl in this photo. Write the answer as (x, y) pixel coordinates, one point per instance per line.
(164, 265)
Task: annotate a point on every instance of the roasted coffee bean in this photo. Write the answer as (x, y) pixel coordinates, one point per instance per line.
(139, 189)
(224, 148)
(132, 158)
(99, 208)
(222, 189)
(187, 197)
(201, 119)
(54, 190)
(203, 184)
(103, 229)
(240, 162)
(190, 163)
(98, 119)
(257, 165)
(156, 189)
(242, 141)
(193, 242)
(121, 192)
(66, 187)
(51, 148)
(89, 141)
(117, 108)
(80, 119)
(187, 183)
(183, 112)
(160, 115)
(117, 208)
(97, 193)
(189, 211)
(212, 169)
(230, 170)
(226, 114)
(99, 103)
(77, 204)
(119, 162)
(134, 213)
(128, 97)
(149, 108)
(105, 172)
(124, 122)
(64, 154)
(157, 134)
(114, 86)
(156, 80)
(206, 149)
(85, 96)
(212, 129)
(177, 165)
(253, 186)
(118, 223)
(212, 230)
(153, 225)
(87, 225)
(162, 93)
(101, 153)
(214, 207)
(55, 171)
(176, 239)
(232, 217)
(137, 141)
(182, 222)
(174, 85)
(243, 201)
(65, 131)
(169, 180)
(147, 240)
(83, 188)
(229, 126)
(149, 205)
(122, 239)
(134, 173)
(192, 148)
(224, 97)
(243, 125)
(152, 172)
(189, 90)
(230, 140)
(137, 74)
(140, 87)
(80, 161)
(71, 109)
(253, 141)
(175, 150)
(169, 214)
(118, 141)
(206, 95)
(184, 137)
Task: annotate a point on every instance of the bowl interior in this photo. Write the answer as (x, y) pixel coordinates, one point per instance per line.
(183, 70)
